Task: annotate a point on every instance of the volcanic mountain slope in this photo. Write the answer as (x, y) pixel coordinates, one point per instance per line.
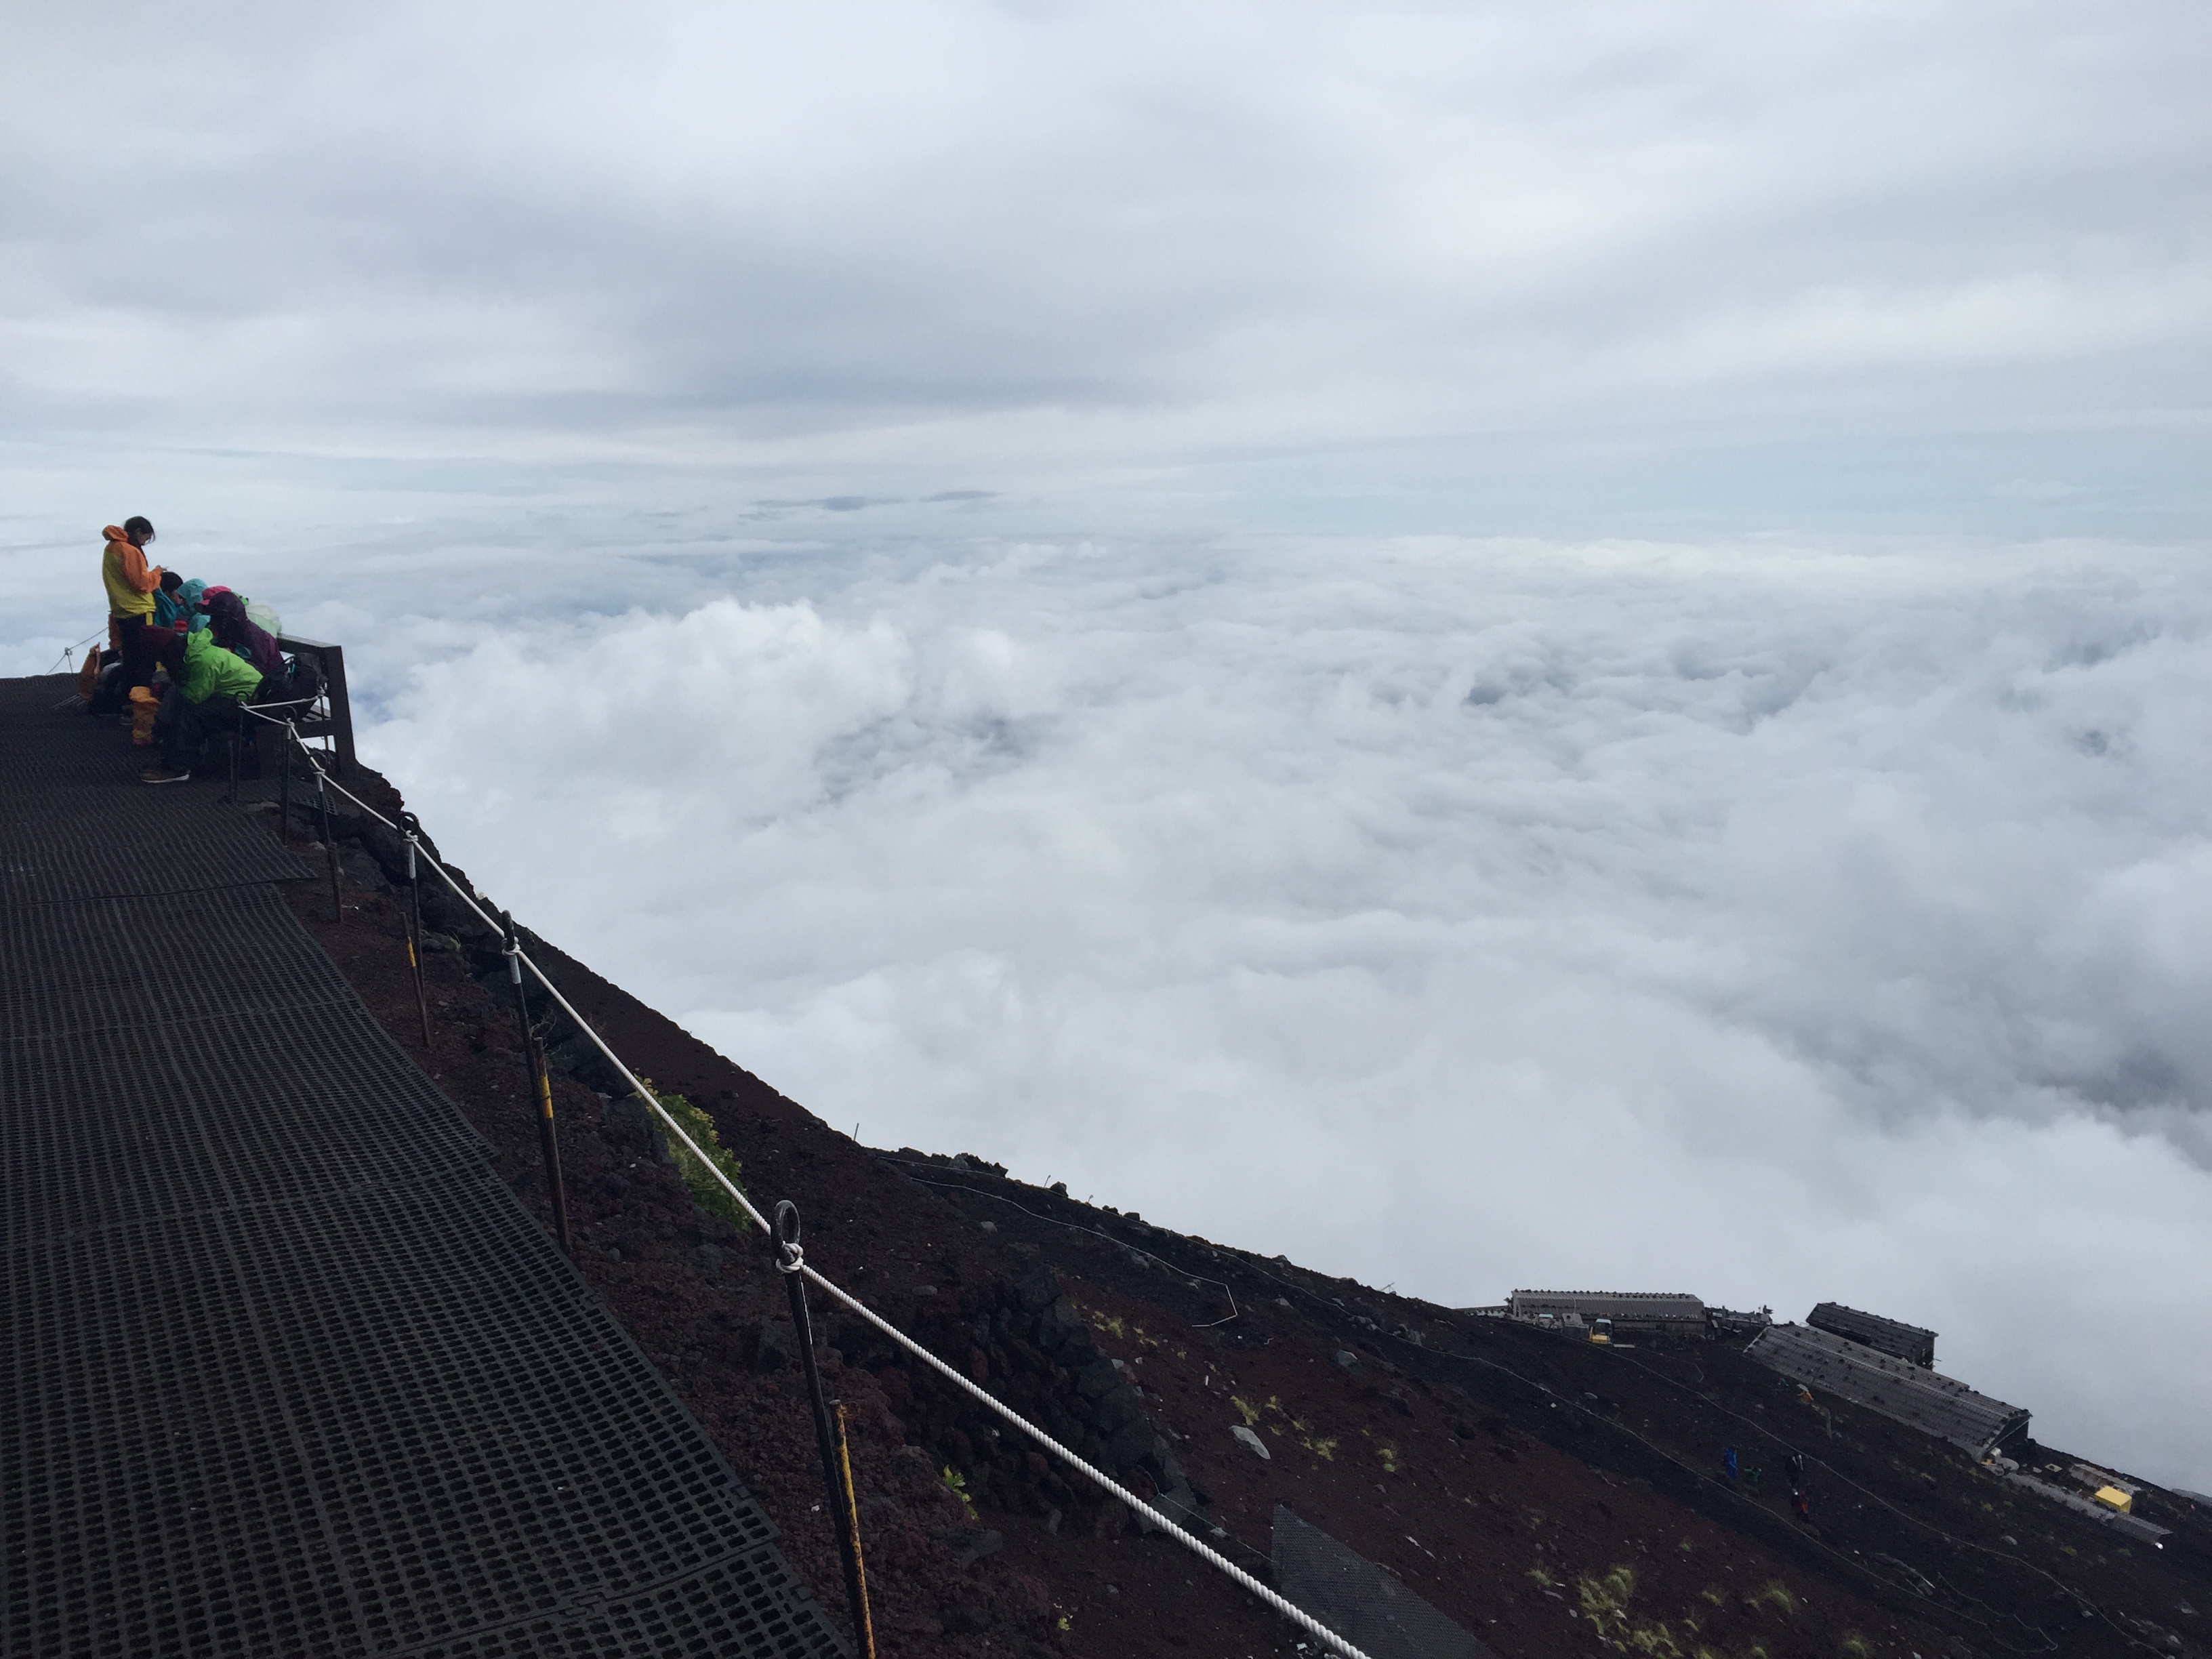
(1551, 1496)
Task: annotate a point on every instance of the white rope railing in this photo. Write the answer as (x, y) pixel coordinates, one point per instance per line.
(1105, 1482)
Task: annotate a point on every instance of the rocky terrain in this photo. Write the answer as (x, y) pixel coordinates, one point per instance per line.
(1551, 1496)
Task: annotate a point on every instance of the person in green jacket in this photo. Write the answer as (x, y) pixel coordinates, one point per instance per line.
(206, 687)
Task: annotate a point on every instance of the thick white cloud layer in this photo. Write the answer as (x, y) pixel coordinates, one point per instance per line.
(934, 541)
(1771, 922)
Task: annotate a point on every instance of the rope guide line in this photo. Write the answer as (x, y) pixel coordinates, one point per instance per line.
(1137, 1505)
(1103, 1481)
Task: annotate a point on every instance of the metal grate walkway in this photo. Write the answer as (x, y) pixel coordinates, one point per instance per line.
(287, 1369)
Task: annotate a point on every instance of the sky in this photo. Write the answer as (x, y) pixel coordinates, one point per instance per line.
(1493, 649)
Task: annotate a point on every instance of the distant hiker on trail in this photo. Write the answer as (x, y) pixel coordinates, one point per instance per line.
(209, 685)
(1727, 1461)
(132, 584)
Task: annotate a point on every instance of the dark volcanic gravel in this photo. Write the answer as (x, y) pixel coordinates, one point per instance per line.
(1553, 1497)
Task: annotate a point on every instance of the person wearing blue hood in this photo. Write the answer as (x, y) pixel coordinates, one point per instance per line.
(170, 611)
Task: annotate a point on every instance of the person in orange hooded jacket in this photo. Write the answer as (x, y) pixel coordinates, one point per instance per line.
(132, 584)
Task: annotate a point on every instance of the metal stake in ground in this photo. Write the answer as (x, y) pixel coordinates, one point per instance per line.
(329, 847)
(790, 1258)
(413, 827)
(866, 1633)
(540, 1083)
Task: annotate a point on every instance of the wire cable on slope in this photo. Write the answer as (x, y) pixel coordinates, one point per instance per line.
(1105, 1483)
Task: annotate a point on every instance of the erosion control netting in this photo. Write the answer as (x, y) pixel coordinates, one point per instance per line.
(1371, 1608)
(287, 1369)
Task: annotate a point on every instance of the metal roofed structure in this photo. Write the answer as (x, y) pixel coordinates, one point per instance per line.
(1655, 1313)
(1890, 1336)
(1897, 1388)
(1738, 1321)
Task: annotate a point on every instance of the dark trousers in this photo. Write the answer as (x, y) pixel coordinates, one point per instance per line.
(185, 727)
(133, 639)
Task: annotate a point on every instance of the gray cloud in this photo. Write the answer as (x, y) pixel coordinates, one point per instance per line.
(1077, 241)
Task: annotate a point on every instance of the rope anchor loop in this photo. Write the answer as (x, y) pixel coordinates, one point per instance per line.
(791, 1259)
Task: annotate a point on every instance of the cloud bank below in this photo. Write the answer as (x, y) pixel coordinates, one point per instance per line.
(1777, 922)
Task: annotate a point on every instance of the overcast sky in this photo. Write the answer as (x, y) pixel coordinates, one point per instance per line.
(1492, 646)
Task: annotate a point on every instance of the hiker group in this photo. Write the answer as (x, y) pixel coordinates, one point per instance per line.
(184, 659)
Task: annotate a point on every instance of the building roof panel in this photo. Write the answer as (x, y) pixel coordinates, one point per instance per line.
(1891, 1336)
(1610, 1305)
(1897, 1388)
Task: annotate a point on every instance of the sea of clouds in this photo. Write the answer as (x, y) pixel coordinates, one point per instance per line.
(1771, 920)
(964, 552)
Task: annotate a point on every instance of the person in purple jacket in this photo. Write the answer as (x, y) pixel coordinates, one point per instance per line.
(236, 632)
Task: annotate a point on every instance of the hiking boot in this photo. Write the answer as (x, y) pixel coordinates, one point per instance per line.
(163, 775)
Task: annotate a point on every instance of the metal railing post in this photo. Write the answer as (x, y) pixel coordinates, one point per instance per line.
(415, 925)
(865, 1632)
(329, 848)
(541, 1084)
(790, 1258)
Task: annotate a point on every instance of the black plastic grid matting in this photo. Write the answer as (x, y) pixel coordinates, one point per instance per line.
(91, 841)
(287, 1369)
(75, 822)
(146, 961)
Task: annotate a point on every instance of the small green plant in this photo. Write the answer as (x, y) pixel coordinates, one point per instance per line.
(959, 1487)
(1855, 1646)
(1389, 1457)
(1605, 1603)
(1247, 1412)
(1774, 1594)
(1542, 1577)
(707, 1195)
